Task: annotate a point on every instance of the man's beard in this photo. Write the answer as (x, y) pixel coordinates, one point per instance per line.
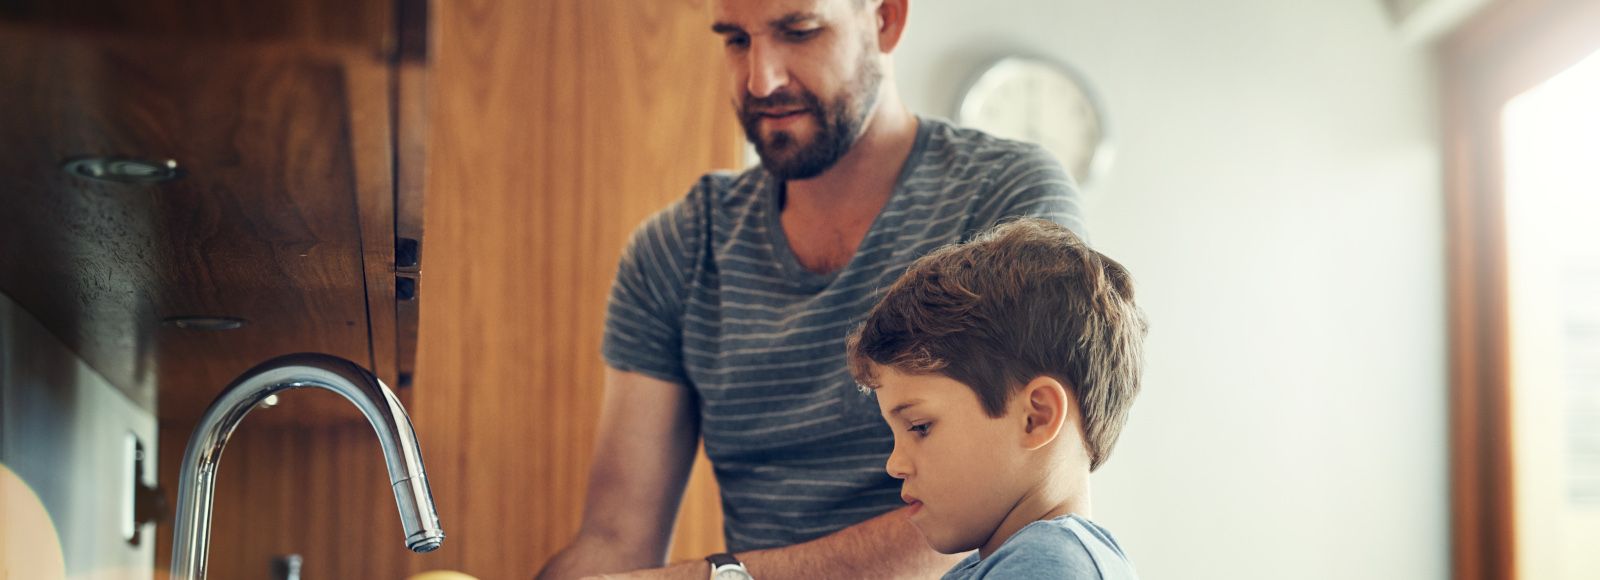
(838, 124)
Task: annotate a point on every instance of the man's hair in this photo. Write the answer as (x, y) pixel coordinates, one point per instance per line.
(1024, 300)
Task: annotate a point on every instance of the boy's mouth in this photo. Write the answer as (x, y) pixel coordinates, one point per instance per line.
(914, 504)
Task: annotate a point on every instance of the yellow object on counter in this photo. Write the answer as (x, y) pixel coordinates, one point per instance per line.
(442, 575)
(28, 544)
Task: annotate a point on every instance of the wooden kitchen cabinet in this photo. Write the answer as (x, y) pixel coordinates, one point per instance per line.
(296, 130)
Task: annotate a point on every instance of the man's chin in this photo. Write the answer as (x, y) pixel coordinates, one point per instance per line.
(782, 158)
(790, 140)
(785, 155)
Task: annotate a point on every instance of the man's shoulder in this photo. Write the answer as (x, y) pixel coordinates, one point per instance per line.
(713, 194)
(725, 185)
(955, 146)
(1000, 178)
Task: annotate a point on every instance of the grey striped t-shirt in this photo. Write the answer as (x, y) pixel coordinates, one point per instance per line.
(710, 296)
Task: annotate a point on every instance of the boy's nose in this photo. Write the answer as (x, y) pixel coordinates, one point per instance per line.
(897, 466)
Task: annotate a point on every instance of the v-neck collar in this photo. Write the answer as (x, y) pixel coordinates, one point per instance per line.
(798, 274)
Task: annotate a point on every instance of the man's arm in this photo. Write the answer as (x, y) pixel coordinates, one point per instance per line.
(887, 546)
(644, 449)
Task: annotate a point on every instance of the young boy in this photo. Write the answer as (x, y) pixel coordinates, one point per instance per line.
(1006, 366)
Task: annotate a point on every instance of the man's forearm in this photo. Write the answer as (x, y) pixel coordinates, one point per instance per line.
(887, 546)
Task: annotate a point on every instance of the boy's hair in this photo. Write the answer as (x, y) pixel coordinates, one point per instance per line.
(1024, 300)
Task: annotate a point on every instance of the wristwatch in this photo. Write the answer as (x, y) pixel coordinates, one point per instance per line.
(726, 567)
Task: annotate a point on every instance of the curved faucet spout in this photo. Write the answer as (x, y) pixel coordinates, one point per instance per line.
(192, 538)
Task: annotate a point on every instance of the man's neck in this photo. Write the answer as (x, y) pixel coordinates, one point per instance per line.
(862, 180)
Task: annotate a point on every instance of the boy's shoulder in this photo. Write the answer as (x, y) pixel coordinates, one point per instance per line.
(1068, 547)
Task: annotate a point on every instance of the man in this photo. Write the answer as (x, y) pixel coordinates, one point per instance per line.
(730, 309)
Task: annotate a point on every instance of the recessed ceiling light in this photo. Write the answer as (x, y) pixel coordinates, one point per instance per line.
(123, 169)
(204, 322)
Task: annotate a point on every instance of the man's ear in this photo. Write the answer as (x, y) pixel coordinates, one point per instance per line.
(1046, 407)
(891, 20)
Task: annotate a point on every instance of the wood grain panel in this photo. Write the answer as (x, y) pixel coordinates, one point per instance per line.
(411, 88)
(410, 84)
(556, 128)
(357, 24)
(265, 226)
(372, 152)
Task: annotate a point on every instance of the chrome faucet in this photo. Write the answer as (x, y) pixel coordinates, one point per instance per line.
(198, 473)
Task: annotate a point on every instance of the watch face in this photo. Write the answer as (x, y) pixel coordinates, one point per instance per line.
(731, 574)
(1040, 102)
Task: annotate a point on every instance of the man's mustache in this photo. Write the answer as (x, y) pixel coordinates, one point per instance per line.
(753, 106)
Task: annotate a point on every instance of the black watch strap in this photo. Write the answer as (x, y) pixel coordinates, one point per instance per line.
(723, 559)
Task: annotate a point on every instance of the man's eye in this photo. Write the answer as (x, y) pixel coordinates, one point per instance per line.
(920, 429)
(801, 34)
(736, 41)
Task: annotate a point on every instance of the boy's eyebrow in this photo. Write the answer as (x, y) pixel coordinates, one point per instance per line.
(903, 406)
(725, 28)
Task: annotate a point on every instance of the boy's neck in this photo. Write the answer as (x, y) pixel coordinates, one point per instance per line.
(1052, 498)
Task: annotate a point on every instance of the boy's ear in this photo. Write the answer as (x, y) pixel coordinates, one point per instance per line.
(1046, 408)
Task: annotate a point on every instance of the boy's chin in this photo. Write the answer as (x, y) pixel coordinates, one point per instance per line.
(943, 543)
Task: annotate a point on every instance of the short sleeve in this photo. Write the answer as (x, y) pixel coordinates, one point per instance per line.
(1032, 183)
(644, 314)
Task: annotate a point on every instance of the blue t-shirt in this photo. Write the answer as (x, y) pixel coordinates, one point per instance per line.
(1068, 547)
(710, 296)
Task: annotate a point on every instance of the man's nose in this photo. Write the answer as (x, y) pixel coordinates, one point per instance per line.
(897, 466)
(768, 73)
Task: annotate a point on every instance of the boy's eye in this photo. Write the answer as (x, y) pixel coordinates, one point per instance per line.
(736, 41)
(921, 429)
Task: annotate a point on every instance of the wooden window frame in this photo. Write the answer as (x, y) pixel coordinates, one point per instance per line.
(1505, 50)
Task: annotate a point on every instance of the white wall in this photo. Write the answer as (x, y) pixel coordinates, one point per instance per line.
(1276, 194)
(63, 430)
